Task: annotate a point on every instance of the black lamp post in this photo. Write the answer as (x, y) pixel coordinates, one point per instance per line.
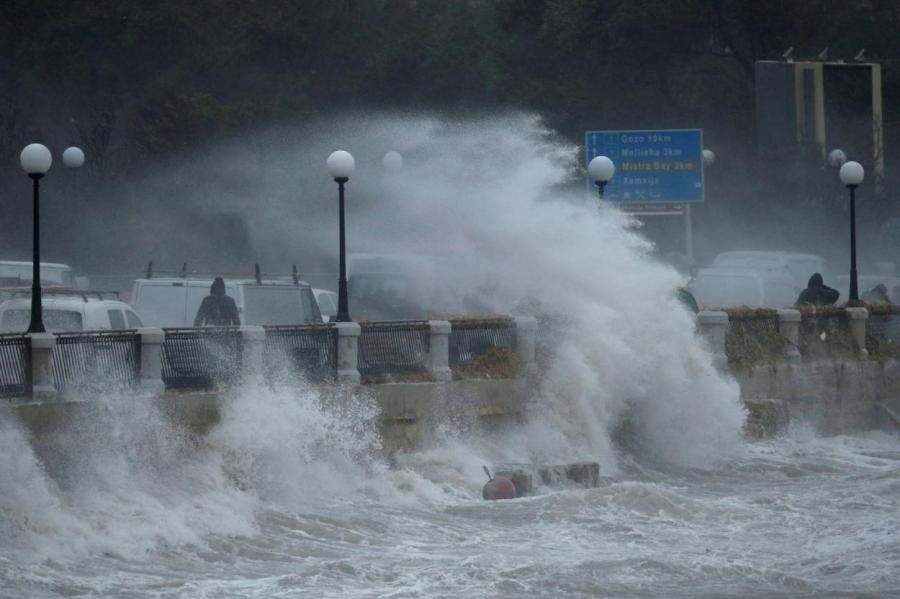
(852, 174)
(36, 160)
(601, 169)
(340, 165)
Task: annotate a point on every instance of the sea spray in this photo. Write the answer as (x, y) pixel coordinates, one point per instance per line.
(131, 481)
(298, 445)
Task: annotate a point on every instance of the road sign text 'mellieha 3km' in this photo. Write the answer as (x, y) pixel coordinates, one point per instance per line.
(656, 171)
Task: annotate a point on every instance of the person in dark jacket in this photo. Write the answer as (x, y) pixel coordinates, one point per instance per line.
(817, 293)
(876, 295)
(217, 309)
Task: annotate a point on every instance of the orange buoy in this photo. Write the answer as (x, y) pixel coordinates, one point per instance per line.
(498, 487)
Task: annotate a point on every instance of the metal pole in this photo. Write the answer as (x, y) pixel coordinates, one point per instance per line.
(688, 236)
(343, 314)
(854, 289)
(37, 316)
(600, 186)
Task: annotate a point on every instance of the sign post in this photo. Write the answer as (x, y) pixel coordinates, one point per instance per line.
(658, 172)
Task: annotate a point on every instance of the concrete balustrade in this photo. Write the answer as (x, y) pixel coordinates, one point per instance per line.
(152, 340)
(713, 326)
(856, 320)
(347, 357)
(439, 364)
(789, 327)
(42, 346)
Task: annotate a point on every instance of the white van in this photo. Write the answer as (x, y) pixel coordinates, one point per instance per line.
(16, 274)
(799, 266)
(69, 313)
(174, 301)
(725, 288)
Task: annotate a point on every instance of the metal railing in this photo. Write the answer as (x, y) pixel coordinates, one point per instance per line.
(201, 358)
(471, 338)
(754, 338)
(391, 347)
(90, 358)
(15, 365)
(307, 350)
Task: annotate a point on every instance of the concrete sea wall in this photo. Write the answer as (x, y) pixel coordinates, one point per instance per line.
(837, 369)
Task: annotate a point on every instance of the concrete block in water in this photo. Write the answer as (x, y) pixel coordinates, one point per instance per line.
(766, 417)
(584, 474)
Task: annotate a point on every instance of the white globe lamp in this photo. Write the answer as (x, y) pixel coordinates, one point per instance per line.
(392, 161)
(340, 164)
(73, 157)
(836, 158)
(852, 174)
(36, 160)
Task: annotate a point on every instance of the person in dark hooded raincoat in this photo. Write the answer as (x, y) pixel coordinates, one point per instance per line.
(217, 309)
(817, 293)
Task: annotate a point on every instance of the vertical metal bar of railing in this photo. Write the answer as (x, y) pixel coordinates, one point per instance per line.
(15, 365)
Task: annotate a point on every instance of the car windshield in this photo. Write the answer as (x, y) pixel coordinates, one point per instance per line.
(57, 321)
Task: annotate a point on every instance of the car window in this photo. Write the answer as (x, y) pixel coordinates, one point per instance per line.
(327, 305)
(133, 321)
(116, 320)
(56, 321)
(311, 312)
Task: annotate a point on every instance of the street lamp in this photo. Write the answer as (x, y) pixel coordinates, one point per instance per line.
(36, 160)
(73, 157)
(601, 169)
(392, 161)
(709, 158)
(852, 174)
(836, 158)
(340, 165)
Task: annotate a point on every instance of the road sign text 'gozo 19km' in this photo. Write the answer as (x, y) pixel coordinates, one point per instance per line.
(655, 170)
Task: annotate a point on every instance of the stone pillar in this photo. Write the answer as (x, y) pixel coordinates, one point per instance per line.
(347, 348)
(152, 340)
(439, 364)
(526, 331)
(42, 346)
(789, 327)
(254, 337)
(856, 320)
(713, 326)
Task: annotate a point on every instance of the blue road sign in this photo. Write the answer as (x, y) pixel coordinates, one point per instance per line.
(652, 167)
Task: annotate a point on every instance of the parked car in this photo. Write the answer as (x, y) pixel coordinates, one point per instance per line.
(70, 312)
(174, 301)
(328, 303)
(728, 287)
(798, 265)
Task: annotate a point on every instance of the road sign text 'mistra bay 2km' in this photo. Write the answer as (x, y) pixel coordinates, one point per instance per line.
(656, 171)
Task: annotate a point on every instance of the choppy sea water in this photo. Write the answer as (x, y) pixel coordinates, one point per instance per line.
(161, 516)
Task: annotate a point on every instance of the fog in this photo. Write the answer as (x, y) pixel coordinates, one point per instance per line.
(265, 197)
